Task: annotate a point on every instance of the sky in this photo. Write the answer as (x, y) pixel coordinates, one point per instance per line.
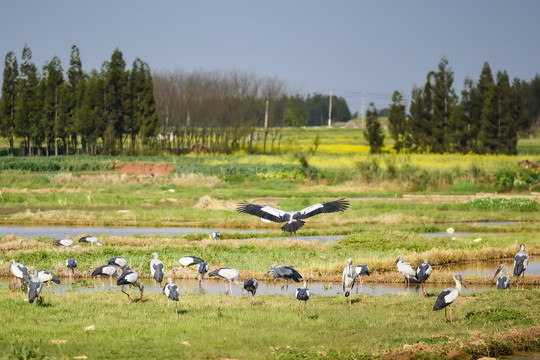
(349, 47)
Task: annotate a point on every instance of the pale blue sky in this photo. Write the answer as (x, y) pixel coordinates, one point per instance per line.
(314, 46)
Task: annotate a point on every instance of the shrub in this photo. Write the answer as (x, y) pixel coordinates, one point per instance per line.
(494, 204)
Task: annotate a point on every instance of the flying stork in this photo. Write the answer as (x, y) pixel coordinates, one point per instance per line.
(90, 239)
(34, 287)
(348, 278)
(185, 262)
(228, 274)
(284, 272)
(71, 264)
(20, 272)
(503, 281)
(422, 274)
(406, 270)
(130, 277)
(251, 285)
(521, 260)
(293, 219)
(302, 294)
(156, 269)
(172, 291)
(106, 271)
(361, 270)
(449, 295)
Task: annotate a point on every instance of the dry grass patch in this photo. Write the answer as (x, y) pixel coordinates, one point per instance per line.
(193, 180)
(206, 202)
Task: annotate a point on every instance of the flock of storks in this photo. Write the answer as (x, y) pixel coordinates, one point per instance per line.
(118, 266)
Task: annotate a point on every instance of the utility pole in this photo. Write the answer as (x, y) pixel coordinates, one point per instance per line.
(362, 122)
(330, 111)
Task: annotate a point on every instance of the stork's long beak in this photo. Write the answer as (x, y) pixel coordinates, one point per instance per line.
(496, 273)
(464, 284)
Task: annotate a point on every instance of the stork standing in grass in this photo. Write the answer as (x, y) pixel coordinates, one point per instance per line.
(91, 240)
(503, 280)
(348, 278)
(422, 274)
(185, 262)
(156, 269)
(251, 285)
(47, 277)
(34, 287)
(63, 242)
(172, 291)
(228, 274)
(130, 277)
(302, 294)
(521, 260)
(447, 297)
(71, 263)
(104, 271)
(405, 269)
(284, 272)
(293, 219)
(361, 270)
(20, 272)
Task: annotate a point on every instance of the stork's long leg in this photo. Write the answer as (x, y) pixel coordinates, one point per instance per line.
(445, 315)
(305, 304)
(451, 318)
(298, 308)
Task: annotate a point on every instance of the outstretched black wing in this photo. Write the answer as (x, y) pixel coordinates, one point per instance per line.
(263, 211)
(325, 207)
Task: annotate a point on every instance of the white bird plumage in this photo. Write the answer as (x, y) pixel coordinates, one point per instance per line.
(521, 261)
(348, 278)
(229, 274)
(503, 280)
(405, 268)
(447, 297)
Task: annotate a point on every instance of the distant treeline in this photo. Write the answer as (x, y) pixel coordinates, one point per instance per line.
(486, 119)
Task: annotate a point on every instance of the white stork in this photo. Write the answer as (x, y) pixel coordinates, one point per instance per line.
(130, 277)
(63, 242)
(185, 262)
(361, 270)
(71, 263)
(228, 274)
(449, 295)
(503, 281)
(172, 291)
(348, 278)
(422, 274)
(293, 219)
(405, 269)
(34, 287)
(91, 240)
(156, 269)
(251, 285)
(106, 271)
(20, 272)
(521, 260)
(302, 294)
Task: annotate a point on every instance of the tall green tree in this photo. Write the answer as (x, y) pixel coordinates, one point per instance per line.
(8, 100)
(419, 122)
(27, 115)
(467, 125)
(398, 124)
(373, 132)
(75, 92)
(489, 119)
(54, 117)
(90, 121)
(116, 102)
(507, 124)
(443, 102)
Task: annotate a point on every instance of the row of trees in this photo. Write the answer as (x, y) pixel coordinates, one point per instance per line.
(52, 114)
(485, 119)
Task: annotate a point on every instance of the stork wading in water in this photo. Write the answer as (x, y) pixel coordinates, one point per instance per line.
(405, 268)
(423, 273)
(251, 285)
(521, 260)
(172, 291)
(20, 272)
(348, 278)
(302, 294)
(34, 287)
(185, 262)
(284, 272)
(118, 261)
(293, 219)
(91, 240)
(447, 297)
(71, 264)
(361, 270)
(228, 274)
(47, 277)
(130, 277)
(156, 269)
(202, 270)
(503, 280)
(104, 271)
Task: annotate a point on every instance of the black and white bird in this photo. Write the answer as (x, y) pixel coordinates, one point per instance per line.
(187, 261)
(251, 285)
(91, 240)
(202, 270)
(447, 297)
(63, 242)
(20, 272)
(228, 274)
(521, 260)
(47, 277)
(130, 277)
(405, 268)
(348, 278)
(34, 287)
(105, 271)
(71, 263)
(361, 270)
(156, 269)
(172, 291)
(302, 294)
(293, 219)
(118, 262)
(503, 280)
(284, 272)
(215, 235)
(422, 274)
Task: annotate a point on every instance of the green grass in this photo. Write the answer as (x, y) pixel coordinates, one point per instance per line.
(220, 326)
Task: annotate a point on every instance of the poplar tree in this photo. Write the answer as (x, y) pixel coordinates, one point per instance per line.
(54, 120)
(116, 93)
(507, 125)
(75, 92)
(399, 129)
(91, 114)
(443, 101)
(373, 132)
(9, 99)
(489, 132)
